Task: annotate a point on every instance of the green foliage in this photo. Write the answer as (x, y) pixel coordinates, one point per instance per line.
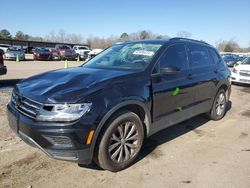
(4, 33)
(144, 35)
(124, 36)
(21, 36)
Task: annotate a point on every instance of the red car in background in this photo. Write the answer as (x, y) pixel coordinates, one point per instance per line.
(42, 54)
(3, 69)
(64, 52)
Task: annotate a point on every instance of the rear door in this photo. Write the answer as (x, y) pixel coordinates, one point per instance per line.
(204, 73)
(172, 93)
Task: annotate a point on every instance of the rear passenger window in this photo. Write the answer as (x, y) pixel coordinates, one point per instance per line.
(174, 56)
(198, 56)
(216, 58)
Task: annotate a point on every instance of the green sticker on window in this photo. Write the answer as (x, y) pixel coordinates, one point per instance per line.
(176, 91)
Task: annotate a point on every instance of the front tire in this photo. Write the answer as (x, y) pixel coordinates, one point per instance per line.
(121, 142)
(219, 106)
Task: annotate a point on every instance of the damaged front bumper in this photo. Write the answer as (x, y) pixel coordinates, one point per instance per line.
(58, 142)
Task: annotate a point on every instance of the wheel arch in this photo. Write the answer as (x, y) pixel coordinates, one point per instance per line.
(226, 88)
(135, 106)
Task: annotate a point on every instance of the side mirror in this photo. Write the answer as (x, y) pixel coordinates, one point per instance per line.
(1, 52)
(169, 70)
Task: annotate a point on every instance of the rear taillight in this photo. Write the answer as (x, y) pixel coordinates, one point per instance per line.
(1, 59)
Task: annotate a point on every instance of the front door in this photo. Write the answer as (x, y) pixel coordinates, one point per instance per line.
(172, 93)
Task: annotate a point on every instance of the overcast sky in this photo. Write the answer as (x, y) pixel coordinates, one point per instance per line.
(209, 20)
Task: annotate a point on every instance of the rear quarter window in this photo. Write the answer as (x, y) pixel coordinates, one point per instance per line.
(214, 55)
(198, 56)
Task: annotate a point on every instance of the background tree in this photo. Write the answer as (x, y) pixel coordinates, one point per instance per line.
(74, 38)
(124, 37)
(36, 38)
(21, 36)
(229, 46)
(4, 33)
(144, 35)
(184, 34)
(51, 36)
(61, 35)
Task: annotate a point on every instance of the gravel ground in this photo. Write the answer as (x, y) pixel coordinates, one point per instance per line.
(196, 153)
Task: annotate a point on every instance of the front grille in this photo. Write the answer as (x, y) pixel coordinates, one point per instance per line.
(245, 81)
(245, 73)
(44, 55)
(25, 105)
(85, 54)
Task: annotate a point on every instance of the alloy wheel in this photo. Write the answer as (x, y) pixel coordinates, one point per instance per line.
(123, 142)
(220, 104)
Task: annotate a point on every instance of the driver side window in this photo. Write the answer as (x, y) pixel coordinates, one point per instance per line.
(174, 56)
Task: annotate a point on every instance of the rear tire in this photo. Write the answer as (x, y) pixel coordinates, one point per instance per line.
(219, 106)
(121, 142)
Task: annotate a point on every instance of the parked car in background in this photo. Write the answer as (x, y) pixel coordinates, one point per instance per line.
(3, 68)
(42, 54)
(230, 60)
(93, 53)
(82, 52)
(13, 52)
(241, 58)
(64, 52)
(241, 72)
(4, 47)
(103, 110)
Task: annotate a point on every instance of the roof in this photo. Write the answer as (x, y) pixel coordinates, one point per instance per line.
(165, 41)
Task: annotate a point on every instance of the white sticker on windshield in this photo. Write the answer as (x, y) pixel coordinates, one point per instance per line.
(143, 52)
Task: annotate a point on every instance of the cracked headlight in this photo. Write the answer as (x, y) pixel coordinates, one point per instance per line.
(63, 112)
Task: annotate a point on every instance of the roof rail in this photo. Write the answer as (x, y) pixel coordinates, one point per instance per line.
(186, 39)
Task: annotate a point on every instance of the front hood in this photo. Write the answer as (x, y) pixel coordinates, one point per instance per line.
(243, 67)
(13, 53)
(67, 85)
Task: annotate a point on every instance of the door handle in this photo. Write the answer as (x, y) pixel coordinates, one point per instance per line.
(216, 71)
(190, 76)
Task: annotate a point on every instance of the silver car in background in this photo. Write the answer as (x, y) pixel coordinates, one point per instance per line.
(13, 52)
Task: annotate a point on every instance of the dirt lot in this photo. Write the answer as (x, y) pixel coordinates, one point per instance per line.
(196, 153)
(24, 69)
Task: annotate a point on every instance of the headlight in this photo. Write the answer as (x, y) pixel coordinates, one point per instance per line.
(63, 112)
(235, 71)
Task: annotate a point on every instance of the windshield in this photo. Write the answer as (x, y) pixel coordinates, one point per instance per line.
(42, 50)
(228, 58)
(246, 61)
(64, 47)
(133, 56)
(13, 49)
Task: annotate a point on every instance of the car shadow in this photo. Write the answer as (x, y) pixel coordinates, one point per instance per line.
(166, 135)
(170, 133)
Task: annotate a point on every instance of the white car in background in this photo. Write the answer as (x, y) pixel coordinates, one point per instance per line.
(4, 47)
(82, 51)
(241, 72)
(93, 53)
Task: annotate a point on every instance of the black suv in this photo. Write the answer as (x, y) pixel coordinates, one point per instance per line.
(103, 110)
